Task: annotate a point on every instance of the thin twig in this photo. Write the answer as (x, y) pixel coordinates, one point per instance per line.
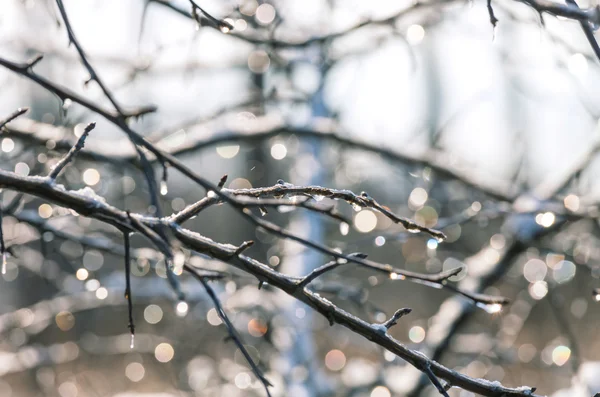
(397, 315)
(13, 116)
(435, 381)
(588, 30)
(221, 24)
(72, 153)
(329, 266)
(493, 19)
(128, 284)
(231, 330)
(2, 245)
(93, 75)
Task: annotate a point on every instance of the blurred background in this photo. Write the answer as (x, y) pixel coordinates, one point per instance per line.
(489, 134)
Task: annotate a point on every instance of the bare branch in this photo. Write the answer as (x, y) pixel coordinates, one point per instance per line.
(363, 201)
(222, 181)
(281, 44)
(72, 153)
(2, 244)
(569, 11)
(34, 61)
(227, 253)
(397, 315)
(244, 246)
(493, 19)
(222, 25)
(13, 116)
(588, 30)
(128, 285)
(336, 315)
(82, 55)
(326, 268)
(231, 329)
(435, 381)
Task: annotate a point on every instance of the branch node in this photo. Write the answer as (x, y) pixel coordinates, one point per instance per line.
(436, 382)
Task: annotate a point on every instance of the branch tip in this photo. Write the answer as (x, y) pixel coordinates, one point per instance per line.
(57, 169)
(31, 63)
(222, 181)
(13, 115)
(243, 247)
(398, 315)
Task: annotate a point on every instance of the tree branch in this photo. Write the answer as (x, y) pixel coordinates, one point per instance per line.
(12, 116)
(231, 329)
(72, 153)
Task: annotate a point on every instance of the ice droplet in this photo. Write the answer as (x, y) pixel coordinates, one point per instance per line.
(132, 344)
(67, 104)
(490, 307)
(412, 229)
(4, 263)
(285, 208)
(344, 228)
(164, 189)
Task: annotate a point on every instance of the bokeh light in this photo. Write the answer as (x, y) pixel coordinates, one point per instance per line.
(335, 360)
(91, 177)
(278, 151)
(45, 211)
(560, 355)
(164, 352)
(65, 320)
(415, 34)
(101, 293)
(381, 391)
(365, 221)
(265, 14)
(416, 334)
(135, 372)
(153, 314)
